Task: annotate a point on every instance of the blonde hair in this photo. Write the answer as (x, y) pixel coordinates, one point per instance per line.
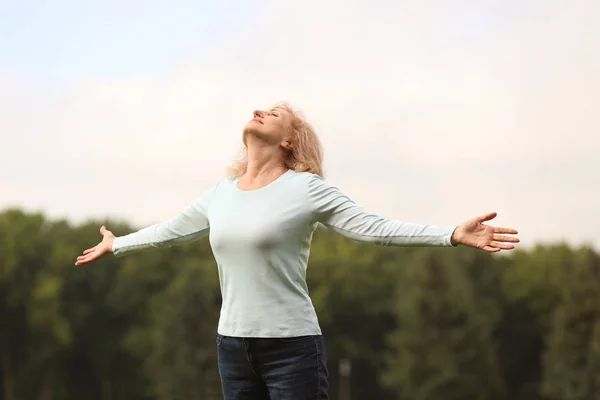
(306, 154)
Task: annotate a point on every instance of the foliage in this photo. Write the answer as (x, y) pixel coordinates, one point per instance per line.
(572, 356)
(417, 323)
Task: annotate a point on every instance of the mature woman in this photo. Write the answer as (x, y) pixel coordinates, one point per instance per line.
(260, 221)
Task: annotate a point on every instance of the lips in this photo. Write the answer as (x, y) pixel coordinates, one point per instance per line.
(258, 120)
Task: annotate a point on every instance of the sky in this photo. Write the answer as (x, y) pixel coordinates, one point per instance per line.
(429, 111)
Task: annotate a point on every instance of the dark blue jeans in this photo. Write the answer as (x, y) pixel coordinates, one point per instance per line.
(275, 369)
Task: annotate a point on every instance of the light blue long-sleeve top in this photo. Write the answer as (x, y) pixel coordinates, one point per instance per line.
(261, 242)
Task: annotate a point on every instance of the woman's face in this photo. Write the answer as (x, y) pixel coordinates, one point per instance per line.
(272, 126)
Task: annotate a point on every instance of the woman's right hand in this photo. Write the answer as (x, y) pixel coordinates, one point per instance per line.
(98, 251)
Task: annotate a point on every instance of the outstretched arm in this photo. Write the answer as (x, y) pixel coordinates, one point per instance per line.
(191, 223)
(338, 212)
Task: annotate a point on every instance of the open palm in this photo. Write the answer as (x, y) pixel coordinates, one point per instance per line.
(474, 233)
(98, 251)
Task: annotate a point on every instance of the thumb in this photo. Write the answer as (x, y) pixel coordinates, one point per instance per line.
(487, 217)
(103, 230)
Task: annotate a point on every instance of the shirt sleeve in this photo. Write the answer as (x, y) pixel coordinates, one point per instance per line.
(191, 223)
(336, 211)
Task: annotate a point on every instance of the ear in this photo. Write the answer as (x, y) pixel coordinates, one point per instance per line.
(287, 144)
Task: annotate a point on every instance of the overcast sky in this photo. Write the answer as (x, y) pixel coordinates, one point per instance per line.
(429, 111)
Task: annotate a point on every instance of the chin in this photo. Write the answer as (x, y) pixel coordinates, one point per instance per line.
(249, 129)
(259, 132)
(256, 130)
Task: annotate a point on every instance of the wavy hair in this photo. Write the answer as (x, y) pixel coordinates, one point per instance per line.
(306, 154)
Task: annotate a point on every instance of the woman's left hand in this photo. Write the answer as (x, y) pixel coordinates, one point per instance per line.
(474, 233)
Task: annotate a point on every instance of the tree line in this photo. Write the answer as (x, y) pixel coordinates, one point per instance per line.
(415, 323)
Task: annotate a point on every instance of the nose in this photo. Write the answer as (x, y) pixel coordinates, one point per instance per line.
(259, 114)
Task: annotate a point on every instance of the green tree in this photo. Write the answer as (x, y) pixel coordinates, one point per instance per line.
(143, 327)
(183, 359)
(49, 331)
(96, 364)
(352, 286)
(443, 347)
(33, 329)
(570, 363)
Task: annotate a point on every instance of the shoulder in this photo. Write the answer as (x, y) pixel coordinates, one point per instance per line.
(215, 189)
(309, 181)
(317, 188)
(307, 177)
(225, 182)
(220, 183)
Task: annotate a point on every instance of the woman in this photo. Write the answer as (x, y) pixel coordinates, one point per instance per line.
(260, 223)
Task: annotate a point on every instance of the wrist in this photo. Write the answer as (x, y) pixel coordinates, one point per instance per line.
(109, 244)
(455, 238)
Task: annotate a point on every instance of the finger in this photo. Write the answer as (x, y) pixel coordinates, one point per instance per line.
(502, 246)
(487, 217)
(504, 238)
(87, 251)
(491, 249)
(80, 261)
(103, 230)
(83, 261)
(85, 258)
(505, 230)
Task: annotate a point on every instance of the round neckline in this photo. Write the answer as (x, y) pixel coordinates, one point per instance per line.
(235, 183)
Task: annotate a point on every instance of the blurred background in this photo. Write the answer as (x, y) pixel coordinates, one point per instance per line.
(121, 112)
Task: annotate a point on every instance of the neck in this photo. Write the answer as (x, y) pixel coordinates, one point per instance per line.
(264, 162)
